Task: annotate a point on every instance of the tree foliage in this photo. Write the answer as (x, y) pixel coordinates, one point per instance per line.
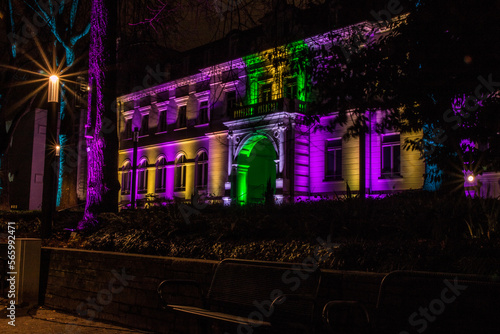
(432, 67)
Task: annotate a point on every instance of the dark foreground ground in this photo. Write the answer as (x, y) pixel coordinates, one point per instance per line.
(40, 320)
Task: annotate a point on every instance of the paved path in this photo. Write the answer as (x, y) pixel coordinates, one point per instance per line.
(38, 320)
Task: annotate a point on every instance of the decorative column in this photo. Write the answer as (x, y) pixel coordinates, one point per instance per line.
(230, 176)
(280, 135)
(230, 141)
(134, 169)
(242, 195)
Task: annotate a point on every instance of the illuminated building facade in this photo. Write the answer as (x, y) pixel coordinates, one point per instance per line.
(235, 131)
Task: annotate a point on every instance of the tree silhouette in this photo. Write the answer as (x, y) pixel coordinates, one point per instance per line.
(432, 67)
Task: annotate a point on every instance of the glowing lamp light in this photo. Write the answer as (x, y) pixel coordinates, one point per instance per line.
(58, 150)
(53, 88)
(470, 178)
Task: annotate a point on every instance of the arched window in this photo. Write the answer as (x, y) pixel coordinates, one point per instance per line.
(202, 170)
(180, 173)
(126, 178)
(161, 175)
(142, 176)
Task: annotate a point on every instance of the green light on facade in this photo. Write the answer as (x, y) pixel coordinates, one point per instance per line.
(299, 51)
(256, 166)
(253, 78)
(256, 63)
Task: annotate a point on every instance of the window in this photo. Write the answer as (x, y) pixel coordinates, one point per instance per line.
(291, 88)
(162, 121)
(128, 129)
(180, 173)
(142, 177)
(144, 126)
(161, 175)
(391, 151)
(202, 170)
(333, 159)
(230, 101)
(126, 178)
(266, 93)
(181, 117)
(203, 113)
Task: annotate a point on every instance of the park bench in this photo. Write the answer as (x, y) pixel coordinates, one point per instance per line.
(254, 295)
(418, 302)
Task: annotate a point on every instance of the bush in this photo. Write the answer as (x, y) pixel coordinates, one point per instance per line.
(412, 230)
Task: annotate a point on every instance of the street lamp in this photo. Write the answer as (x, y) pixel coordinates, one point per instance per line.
(53, 95)
(52, 149)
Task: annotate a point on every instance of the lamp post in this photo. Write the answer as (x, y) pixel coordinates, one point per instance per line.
(50, 166)
(134, 168)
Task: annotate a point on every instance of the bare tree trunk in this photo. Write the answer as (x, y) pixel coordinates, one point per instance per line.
(102, 140)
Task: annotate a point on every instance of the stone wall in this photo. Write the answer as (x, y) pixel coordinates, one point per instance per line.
(122, 287)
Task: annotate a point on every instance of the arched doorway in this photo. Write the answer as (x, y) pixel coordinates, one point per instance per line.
(256, 172)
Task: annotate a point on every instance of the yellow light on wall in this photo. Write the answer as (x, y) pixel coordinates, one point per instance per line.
(53, 95)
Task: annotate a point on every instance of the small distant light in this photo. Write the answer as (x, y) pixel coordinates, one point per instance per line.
(54, 78)
(58, 150)
(468, 59)
(470, 178)
(88, 87)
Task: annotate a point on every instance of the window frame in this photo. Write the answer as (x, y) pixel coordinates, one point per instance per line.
(126, 178)
(203, 166)
(162, 121)
(161, 175)
(142, 176)
(266, 89)
(230, 102)
(128, 129)
(144, 130)
(180, 167)
(206, 119)
(182, 116)
(290, 85)
(392, 145)
(336, 149)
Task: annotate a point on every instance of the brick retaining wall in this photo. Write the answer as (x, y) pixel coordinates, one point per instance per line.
(96, 285)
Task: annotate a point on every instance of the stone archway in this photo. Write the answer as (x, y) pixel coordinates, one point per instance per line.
(256, 169)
